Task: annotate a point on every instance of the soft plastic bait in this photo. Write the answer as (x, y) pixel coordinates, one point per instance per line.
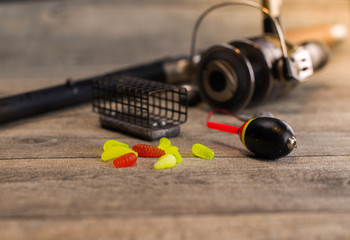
(165, 161)
(114, 152)
(171, 150)
(113, 143)
(174, 151)
(164, 143)
(202, 151)
(177, 157)
(126, 160)
(145, 150)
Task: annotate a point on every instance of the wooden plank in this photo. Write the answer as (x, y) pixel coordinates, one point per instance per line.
(87, 187)
(253, 226)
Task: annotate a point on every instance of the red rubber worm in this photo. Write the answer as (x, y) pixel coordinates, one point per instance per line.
(145, 150)
(126, 160)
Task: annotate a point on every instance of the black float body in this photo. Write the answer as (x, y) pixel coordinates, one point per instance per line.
(268, 137)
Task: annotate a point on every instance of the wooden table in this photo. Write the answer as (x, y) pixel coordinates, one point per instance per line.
(53, 184)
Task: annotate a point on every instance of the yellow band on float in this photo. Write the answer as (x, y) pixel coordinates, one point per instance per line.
(243, 131)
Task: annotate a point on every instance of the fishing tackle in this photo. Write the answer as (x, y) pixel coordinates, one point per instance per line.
(173, 150)
(164, 143)
(266, 137)
(112, 143)
(199, 150)
(145, 150)
(126, 160)
(165, 161)
(115, 151)
(251, 71)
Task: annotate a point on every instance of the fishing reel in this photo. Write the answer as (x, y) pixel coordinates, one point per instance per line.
(254, 70)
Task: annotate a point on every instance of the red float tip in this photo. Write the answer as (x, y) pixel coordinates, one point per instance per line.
(220, 126)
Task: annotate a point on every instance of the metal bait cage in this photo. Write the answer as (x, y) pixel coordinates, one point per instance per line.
(139, 107)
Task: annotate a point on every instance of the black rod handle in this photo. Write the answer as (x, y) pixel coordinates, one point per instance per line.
(35, 102)
(71, 93)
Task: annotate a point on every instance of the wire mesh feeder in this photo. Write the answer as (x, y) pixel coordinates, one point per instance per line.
(142, 108)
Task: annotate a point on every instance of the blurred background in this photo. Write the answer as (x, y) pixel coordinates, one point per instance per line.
(49, 41)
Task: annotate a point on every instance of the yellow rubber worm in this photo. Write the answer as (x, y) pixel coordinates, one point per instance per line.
(171, 149)
(165, 161)
(164, 143)
(113, 143)
(115, 151)
(174, 151)
(202, 151)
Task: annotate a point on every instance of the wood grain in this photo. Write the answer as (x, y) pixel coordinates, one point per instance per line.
(222, 186)
(240, 226)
